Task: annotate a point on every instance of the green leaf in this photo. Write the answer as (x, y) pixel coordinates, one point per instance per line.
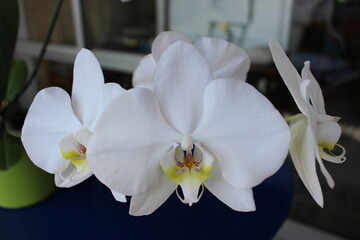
(11, 150)
(9, 20)
(17, 79)
(11, 130)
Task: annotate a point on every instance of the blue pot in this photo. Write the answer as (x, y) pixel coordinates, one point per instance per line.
(88, 211)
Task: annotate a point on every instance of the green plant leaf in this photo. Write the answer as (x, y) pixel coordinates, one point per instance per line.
(17, 78)
(9, 20)
(11, 150)
(12, 130)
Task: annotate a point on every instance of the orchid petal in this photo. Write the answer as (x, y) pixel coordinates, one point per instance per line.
(109, 92)
(311, 139)
(163, 41)
(312, 131)
(207, 159)
(316, 95)
(49, 119)
(70, 148)
(83, 136)
(88, 80)
(226, 60)
(328, 134)
(237, 199)
(181, 77)
(145, 72)
(146, 203)
(119, 197)
(326, 118)
(129, 141)
(236, 129)
(303, 154)
(288, 73)
(324, 171)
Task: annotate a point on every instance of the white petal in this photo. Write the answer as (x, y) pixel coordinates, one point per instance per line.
(63, 180)
(226, 60)
(244, 131)
(109, 92)
(83, 136)
(328, 134)
(146, 203)
(129, 141)
(237, 199)
(168, 161)
(324, 171)
(70, 147)
(144, 74)
(207, 158)
(181, 77)
(87, 84)
(49, 119)
(316, 95)
(163, 41)
(288, 73)
(326, 118)
(303, 156)
(312, 131)
(118, 196)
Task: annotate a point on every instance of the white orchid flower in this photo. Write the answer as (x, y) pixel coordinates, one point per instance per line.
(226, 60)
(191, 131)
(57, 129)
(314, 133)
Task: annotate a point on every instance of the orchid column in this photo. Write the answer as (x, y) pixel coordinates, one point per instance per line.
(194, 129)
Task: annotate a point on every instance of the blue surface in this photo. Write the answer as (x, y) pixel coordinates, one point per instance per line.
(88, 211)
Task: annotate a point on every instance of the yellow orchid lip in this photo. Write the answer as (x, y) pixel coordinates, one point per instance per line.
(190, 172)
(75, 153)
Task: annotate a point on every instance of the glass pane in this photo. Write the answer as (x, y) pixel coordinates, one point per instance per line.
(55, 74)
(126, 26)
(38, 16)
(123, 79)
(242, 22)
(61, 75)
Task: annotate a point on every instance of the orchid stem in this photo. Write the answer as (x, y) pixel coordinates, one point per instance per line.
(294, 117)
(42, 53)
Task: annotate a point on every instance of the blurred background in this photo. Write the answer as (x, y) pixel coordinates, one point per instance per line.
(326, 32)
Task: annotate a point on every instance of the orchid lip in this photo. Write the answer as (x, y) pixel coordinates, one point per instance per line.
(332, 157)
(75, 153)
(189, 170)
